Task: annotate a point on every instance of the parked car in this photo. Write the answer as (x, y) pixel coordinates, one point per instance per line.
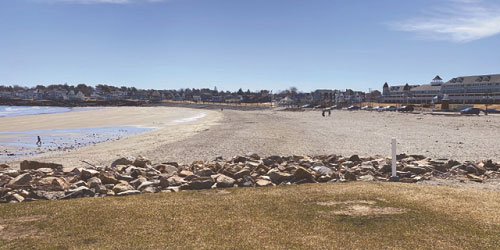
(470, 111)
(407, 108)
(377, 108)
(367, 108)
(493, 111)
(336, 107)
(307, 106)
(390, 108)
(318, 106)
(353, 107)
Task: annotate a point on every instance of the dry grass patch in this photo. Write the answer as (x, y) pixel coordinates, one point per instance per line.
(369, 216)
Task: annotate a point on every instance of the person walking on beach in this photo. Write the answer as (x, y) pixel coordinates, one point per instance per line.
(323, 113)
(39, 141)
(329, 112)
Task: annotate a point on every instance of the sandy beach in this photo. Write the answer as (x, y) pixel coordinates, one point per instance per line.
(269, 132)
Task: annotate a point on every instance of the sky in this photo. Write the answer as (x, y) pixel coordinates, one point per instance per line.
(249, 44)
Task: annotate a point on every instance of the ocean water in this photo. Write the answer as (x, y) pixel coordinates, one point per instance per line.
(6, 111)
(23, 143)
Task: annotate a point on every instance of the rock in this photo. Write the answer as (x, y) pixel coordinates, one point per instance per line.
(145, 185)
(168, 169)
(12, 172)
(204, 172)
(303, 174)
(49, 195)
(25, 165)
(4, 166)
(475, 169)
(253, 156)
(415, 169)
(200, 183)
(20, 180)
(185, 173)
(350, 176)
(124, 177)
(79, 192)
(128, 192)
(80, 184)
(141, 162)
(354, 158)
(278, 177)
(150, 190)
(122, 187)
(366, 178)
(241, 173)
(348, 164)
(224, 181)
(86, 174)
(263, 183)
(322, 170)
(274, 159)
(489, 165)
(238, 159)
(54, 183)
(475, 178)
(17, 197)
(123, 161)
(94, 182)
(171, 181)
(107, 178)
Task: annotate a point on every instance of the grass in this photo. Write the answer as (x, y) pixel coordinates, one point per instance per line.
(286, 217)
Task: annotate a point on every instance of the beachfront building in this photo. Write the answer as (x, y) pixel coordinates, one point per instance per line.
(398, 93)
(473, 89)
(324, 95)
(465, 89)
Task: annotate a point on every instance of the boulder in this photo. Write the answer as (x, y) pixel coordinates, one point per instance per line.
(171, 181)
(79, 192)
(224, 181)
(107, 178)
(263, 183)
(94, 182)
(54, 184)
(48, 195)
(122, 187)
(168, 169)
(354, 158)
(4, 166)
(150, 190)
(26, 165)
(146, 184)
(86, 174)
(415, 169)
(141, 162)
(128, 192)
(200, 183)
(123, 161)
(322, 170)
(20, 180)
(278, 177)
(366, 178)
(350, 176)
(303, 174)
(204, 172)
(185, 173)
(241, 173)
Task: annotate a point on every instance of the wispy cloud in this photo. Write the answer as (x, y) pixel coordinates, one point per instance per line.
(455, 20)
(101, 1)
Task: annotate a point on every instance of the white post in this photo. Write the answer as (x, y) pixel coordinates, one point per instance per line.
(394, 176)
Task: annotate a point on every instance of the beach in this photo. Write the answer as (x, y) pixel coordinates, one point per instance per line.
(184, 135)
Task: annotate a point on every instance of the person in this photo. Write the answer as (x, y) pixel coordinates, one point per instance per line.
(329, 112)
(323, 113)
(39, 141)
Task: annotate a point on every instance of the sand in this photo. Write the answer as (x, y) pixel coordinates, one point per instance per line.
(269, 132)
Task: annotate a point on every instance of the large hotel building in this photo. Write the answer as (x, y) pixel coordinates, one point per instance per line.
(464, 89)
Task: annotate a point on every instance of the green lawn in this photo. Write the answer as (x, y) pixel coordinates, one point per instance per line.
(350, 215)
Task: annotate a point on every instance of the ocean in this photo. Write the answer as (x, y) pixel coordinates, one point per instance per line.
(6, 111)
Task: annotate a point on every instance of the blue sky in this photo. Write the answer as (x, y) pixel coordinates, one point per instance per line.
(252, 44)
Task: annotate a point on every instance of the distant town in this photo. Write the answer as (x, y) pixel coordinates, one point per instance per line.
(467, 89)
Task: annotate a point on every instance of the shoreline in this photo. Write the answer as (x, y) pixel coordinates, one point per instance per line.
(109, 131)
